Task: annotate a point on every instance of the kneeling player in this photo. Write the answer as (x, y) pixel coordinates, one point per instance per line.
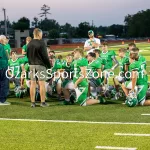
(138, 78)
(80, 79)
(15, 70)
(94, 74)
(66, 76)
(123, 64)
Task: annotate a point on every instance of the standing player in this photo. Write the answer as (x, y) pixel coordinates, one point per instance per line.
(24, 48)
(92, 43)
(108, 57)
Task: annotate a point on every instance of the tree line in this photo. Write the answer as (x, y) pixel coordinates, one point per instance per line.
(136, 25)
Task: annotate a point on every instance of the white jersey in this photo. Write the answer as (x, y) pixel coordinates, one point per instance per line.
(89, 42)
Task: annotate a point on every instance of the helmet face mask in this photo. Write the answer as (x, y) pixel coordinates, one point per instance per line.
(131, 100)
(19, 92)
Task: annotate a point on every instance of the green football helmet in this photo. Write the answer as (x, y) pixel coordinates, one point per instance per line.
(19, 93)
(131, 100)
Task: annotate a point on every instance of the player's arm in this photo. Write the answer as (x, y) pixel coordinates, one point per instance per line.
(134, 76)
(23, 52)
(83, 76)
(97, 43)
(99, 73)
(22, 75)
(116, 63)
(87, 47)
(126, 68)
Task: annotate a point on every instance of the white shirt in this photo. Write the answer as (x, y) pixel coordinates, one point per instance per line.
(89, 42)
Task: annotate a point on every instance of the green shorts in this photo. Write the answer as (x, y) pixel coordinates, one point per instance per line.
(81, 93)
(141, 95)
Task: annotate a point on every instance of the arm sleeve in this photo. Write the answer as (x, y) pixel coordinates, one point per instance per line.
(116, 63)
(98, 65)
(44, 55)
(83, 63)
(23, 48)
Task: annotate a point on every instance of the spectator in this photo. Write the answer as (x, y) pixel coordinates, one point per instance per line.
(92, 43)
(38, 61)
(4, 82)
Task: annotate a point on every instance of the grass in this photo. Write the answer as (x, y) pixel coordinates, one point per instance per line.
(73, 136)
(68, 136)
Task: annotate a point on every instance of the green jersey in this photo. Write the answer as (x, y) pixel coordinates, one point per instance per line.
(57, 65)
(68, 67)
(92, 71)
(27, 69)
(128, 53)
(7, 48)
(102, 61)
(108, 59)
(15, 67)
(137, 66)
(68, 74)
(123, 61)
(24, 48)
(143, 61)
(82, 62)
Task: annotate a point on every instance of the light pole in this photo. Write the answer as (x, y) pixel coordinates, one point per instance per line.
(4, 10)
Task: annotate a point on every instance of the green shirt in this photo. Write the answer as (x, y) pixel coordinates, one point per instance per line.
(108, 59)
(57, 65)
(92, 71)
(7, 48)
(27, 69)
(122, 62)
(68, 67)
(128, 53)
(15, 66)
(82, 62)
(137, 66)
(24, 48)
(3, 58)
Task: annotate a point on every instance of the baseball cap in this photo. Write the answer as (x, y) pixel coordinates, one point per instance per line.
(90, 32)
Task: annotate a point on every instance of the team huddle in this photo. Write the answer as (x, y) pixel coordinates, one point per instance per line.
(84, 79)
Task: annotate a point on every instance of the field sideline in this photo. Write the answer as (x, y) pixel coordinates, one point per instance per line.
(110, 126)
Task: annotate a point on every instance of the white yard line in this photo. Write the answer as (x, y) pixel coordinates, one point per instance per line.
(69, 121)
(145, 114)
(130, 134)
(115, 148)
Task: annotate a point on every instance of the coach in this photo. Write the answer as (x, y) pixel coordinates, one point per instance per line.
(39, 62)
(4, 82)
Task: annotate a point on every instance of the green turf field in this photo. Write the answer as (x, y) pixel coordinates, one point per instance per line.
(96, 127)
